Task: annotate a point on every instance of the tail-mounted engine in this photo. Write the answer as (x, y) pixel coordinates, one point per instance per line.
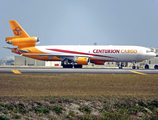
(23, 42)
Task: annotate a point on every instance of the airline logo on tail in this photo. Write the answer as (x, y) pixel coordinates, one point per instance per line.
(17, 31)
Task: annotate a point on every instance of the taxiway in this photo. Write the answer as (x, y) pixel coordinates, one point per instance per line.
(83, 70)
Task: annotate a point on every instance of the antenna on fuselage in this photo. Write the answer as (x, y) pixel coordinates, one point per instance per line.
(95, 43)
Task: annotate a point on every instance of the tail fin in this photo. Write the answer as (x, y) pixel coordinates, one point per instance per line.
(17, 29)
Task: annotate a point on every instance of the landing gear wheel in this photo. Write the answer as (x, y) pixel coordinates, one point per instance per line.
(156, 67)
(67, 66)
(133, 67)
(77, 66)
(120, 67)
(146, 66)
(70, 66)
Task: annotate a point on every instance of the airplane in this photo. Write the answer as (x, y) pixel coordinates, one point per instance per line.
(74, 55)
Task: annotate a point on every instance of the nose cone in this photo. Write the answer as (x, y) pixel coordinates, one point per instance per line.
(151, 55)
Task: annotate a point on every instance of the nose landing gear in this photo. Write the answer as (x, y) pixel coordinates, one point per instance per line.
(146, 66)
(135, 66)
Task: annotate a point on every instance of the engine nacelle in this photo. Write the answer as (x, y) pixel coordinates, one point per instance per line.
(25, 42)
(99, 63)
(82, 61)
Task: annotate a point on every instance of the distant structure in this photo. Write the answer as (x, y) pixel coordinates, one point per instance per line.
(25, 61)
(7, 61)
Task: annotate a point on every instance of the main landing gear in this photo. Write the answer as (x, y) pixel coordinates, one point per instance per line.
(120, 65)
(70, 65)
(146, 66)
(156, 67)
(135, 66)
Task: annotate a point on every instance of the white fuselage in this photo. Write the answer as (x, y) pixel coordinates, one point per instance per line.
(110, 53)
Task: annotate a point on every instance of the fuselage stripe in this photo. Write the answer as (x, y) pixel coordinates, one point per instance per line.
(74, 52)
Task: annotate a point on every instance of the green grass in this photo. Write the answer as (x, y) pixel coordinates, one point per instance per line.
(114, 96)
(38, 85)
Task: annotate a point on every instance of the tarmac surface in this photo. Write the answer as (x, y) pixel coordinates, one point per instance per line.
(76, 70)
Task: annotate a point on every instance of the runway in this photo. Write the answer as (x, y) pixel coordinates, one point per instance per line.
(83, 70)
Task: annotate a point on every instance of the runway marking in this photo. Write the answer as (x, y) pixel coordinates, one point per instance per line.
(139, 73)
(16, 72)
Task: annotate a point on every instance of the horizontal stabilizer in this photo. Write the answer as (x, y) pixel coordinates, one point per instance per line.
(16, 49)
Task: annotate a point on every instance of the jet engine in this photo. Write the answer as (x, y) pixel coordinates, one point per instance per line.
(82, 61)
(24, 42)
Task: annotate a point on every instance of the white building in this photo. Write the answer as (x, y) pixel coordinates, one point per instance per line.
(25, 61)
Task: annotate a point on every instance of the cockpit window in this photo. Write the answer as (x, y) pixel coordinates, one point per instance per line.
(148, 51)
(152, 51)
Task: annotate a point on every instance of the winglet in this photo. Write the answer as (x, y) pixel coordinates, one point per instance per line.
(17, 29)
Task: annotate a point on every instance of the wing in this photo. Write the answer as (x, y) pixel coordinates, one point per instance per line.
(62, 57)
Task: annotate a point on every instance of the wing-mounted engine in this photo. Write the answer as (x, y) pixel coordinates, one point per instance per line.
(23, 42)
(82, 61)
(77, 62)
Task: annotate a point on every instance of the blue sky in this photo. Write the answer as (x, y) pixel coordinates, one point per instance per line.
(84, 22)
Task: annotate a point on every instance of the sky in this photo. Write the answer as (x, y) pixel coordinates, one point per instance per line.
(82, 22)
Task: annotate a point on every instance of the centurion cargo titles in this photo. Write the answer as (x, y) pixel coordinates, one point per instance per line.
(114, 51)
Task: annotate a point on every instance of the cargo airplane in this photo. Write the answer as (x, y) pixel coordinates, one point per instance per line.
(73, 55)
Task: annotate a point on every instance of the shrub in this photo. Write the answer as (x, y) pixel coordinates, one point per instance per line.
(143, 109)
(21, 105)
(154, 103)
(58, 110)
(85, 109)
(84, 117)
(30, 109)
(66, 100)
(60, 101)
(117, 105)
(3, 117)
(15, 110)
(106, 107)
(141, 103)
(39, 103)
(70, 115)
(5, 112)
(46, 111)
(38, 110)
(10, 107)
(2, 105)
(113, 116)
(51, 117)
(15, 116)
(21, 109)
(133, 110)
(53, 101)
(151, 107)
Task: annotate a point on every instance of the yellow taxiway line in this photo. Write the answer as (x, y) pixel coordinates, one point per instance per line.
(138, 73)
(16, 72)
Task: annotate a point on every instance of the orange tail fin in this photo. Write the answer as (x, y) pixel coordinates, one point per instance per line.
(17, 29)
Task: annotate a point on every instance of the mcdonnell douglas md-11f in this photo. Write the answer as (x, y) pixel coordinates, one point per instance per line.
(73, 55)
